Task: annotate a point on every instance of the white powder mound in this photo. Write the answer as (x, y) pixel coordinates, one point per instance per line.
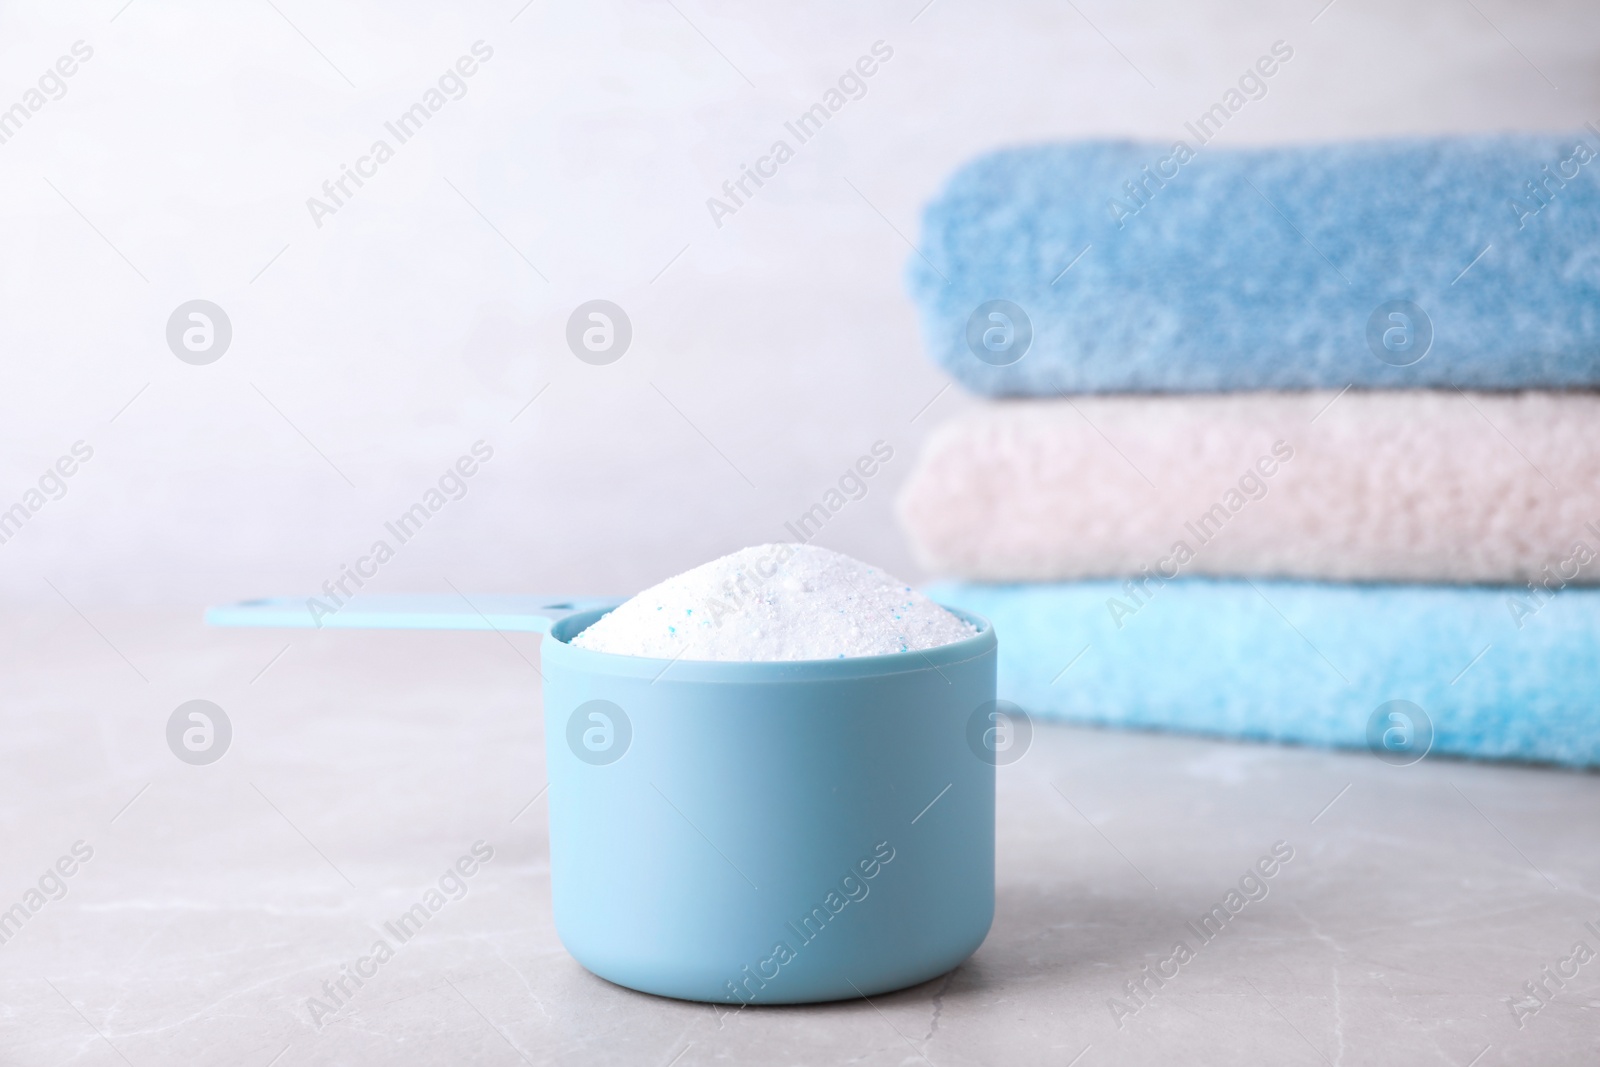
(776, 602)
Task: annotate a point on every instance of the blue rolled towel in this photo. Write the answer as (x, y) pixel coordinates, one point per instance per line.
(1467, 261)
(1499, 672)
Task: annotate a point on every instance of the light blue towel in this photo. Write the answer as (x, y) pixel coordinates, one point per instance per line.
(1268, 268)
(1306, 662)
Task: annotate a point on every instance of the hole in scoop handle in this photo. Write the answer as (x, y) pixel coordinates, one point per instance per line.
(506, 612)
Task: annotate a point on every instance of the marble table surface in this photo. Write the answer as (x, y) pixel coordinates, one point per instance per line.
(215, 900)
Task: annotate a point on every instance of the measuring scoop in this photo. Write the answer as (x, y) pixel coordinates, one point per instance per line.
(732, 832)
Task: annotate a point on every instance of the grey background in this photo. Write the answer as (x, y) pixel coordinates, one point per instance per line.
(407, 327)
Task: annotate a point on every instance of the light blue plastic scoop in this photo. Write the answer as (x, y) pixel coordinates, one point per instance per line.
(766, 833)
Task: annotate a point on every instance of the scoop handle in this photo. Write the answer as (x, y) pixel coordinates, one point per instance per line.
(512, 612)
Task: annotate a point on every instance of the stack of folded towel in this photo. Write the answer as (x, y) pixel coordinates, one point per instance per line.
(1349, 454)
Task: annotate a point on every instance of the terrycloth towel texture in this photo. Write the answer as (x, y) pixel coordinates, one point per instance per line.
(1261, 268)
(1307, 662)
(1403, 486)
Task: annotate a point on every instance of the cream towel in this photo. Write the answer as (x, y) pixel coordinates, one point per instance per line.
(1400, 486)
